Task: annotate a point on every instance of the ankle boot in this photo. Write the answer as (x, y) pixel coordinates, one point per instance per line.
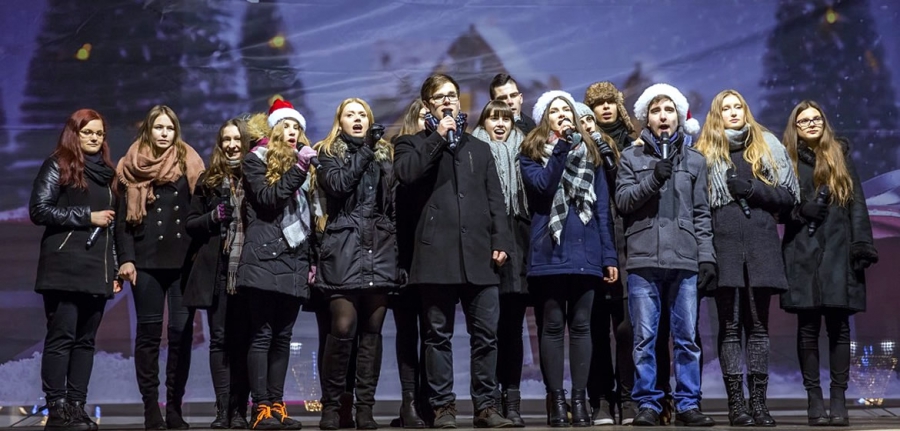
(368, 370)
(146, 366)
(838, 416)
(738, 416)
(581, 411)
(815, 410)
(510, 400)
(222, 406)
(409, 417)
(238, 412)
(558, 411)
(59, 418)
(336, 357)
(77, 414)
(759, 384)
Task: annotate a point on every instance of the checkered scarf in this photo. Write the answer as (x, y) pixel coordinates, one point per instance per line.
(576, 188)
(234, 235)
(295, 223)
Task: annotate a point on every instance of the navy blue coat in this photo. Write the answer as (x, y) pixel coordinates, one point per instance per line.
(584, 249)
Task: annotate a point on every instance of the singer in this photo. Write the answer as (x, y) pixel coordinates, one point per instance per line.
(461, 240)
(72, 195)
(825, 272)
(358, 263)
(217, 229)
(751, 182)
(572, 248)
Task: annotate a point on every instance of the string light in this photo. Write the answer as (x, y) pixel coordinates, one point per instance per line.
(277, 42)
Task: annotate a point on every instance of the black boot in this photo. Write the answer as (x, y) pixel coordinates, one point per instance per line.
(838, 416)
(558, 411)
(59, 418)
(76, 410)
(146, 366)
(759, 383)
(178, 365)
(222, 406)
(346, 410)
(238, 412)
(368, 370)
(409, 417)
(738, 416)
(174, 417)
(815, 409)
(510, 400)
(336, 357)
(581, 411)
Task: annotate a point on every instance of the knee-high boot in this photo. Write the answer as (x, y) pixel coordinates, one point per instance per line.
(368, 370)
(178, 366)
(146, 366)
(336, 357)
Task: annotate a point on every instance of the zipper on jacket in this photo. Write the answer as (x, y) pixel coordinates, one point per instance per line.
(65, 240)
(105, 258)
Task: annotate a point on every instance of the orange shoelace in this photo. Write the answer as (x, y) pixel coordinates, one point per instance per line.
(263, 412)
(281, 410)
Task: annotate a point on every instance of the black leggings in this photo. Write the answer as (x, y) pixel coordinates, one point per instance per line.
(72, 322)
(566, 300)
(743, 311)
(272, 317)
(229, 340)
(837, 325)
(509, 340)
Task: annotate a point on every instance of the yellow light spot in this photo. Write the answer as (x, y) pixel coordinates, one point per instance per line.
(277, 41)
(84, 52)
(831, 16)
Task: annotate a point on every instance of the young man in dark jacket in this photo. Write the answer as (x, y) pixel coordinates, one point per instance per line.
(661, 190)
(461, 238)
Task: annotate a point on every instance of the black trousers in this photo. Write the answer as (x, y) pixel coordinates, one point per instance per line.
(229, 342)
(272, 318)
(614, 384)
(565, 301)
(837, 325)
(405, 307)
(743, 311)
(68, 358)
(481, 307)
(510, 350)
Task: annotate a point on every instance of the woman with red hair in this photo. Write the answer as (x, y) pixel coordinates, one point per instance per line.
(73, 198)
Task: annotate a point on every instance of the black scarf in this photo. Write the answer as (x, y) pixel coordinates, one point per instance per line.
(805, 154)
(96, 170)
(619, 132)
(353, 142)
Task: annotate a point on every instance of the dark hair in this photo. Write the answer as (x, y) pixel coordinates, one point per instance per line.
(218, 163)
(495, 108)
(432, 83)
(68, 153)
(500, 80)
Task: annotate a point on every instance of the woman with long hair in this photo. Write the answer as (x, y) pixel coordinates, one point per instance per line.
(496, 126)
(358, 255)
(274, 270)
(751, 182)
(572, 248)
(827, 247)
(157, 177)
(73, 197)
(216, 226)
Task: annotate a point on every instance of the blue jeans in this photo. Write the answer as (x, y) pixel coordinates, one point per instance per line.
(648, 290)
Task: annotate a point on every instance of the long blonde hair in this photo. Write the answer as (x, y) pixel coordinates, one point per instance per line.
(326, 146)
(533, 145)
(281, 156)
(831, 168)
(713, 142)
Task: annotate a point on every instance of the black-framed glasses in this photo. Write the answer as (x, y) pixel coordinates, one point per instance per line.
(509, 96)
(452, 97)
(88, 133)
(809, 122)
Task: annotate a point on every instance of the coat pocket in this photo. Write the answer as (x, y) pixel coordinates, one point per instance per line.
(686, 240)
(270, 250)
(339, 260)
(640, 240)
(428, 225)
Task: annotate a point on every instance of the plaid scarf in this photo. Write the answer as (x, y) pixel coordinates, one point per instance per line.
(575, 188)
(431, 122)
(234, 236)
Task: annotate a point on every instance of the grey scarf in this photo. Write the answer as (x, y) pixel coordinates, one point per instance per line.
(506, 158)
(782, 174)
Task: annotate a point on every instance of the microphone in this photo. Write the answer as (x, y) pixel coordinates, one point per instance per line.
(742, 202)
(821, 197)
(95, 234)
(314, 160)
(605, 151)
(664, 144)
(451, 134)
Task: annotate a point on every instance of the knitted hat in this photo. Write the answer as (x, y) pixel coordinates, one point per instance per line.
(641, 107)
(544, 101)
(282, 109)
(582, 110)
(603, 91)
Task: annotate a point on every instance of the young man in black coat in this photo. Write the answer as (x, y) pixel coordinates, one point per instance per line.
(461, 238)
(505, 89)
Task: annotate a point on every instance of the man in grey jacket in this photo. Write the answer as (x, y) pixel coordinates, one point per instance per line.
(661, 190)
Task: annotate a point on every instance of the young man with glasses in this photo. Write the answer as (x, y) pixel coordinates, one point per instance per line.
(461, 237)
(505, 89)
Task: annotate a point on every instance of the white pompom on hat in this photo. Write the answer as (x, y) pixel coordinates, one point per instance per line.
(537, 113)
(641, 108)
(282, 109)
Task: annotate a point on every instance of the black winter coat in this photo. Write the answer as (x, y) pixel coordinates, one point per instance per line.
(819, 267)
(267, 261)
(359, 245)
(160, 241)
(65, 264)
(463, 214)
(209, 262)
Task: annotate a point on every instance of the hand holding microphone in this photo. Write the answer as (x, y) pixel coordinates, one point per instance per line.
(374, 134)
(739, 190)
(817, 210)
(307, 156)
(224, 211)
(606, 152)
(100, 220)
(447, 127)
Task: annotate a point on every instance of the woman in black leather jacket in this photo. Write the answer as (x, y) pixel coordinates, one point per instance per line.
(74, 199)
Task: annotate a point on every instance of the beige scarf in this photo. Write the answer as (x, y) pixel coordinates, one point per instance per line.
(139, 170)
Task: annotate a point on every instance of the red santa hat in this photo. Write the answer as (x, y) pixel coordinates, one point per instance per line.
(282, 109)
(641, 108)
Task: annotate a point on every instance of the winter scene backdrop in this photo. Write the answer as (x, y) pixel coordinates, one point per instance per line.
(212, 60)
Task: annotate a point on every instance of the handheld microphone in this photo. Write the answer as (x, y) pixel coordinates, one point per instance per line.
(821, 197)
(605, 151)
(451, 134)
(742, 202)
(95, 234)
(664, 144)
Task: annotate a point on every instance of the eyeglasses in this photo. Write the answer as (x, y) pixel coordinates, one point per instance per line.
(88, 133)
(506, 97)
(809, 122)
(452, 97)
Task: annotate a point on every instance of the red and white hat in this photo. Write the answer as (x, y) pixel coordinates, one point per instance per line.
(641, 109)
(282, 109)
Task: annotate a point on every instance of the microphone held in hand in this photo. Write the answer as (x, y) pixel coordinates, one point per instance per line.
(664, 144)
(95, 234)
(822, 196)
(741, 201)
(374, 134)
(451, 134)
(609, 159)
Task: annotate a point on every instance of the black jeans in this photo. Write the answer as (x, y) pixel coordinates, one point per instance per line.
(272, 317)
(481, 307)
(229, 342)
(509, 340)
(405, 306)
(68, 358)
(566, 301)
(743, 311)
(613, 384)
(837, 325)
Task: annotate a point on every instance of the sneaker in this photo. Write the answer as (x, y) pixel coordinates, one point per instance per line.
(279, 411)
(602, 414)
(445, 416)
(262, 418)
(647, 417)
(489, 417)
(694, 418)
(627, 412)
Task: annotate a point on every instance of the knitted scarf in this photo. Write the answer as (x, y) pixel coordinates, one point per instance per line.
(234, 236)
(140, 170)
(506, 158)
(295, 225)
(619, 132)
(575, 188)
(782, 174)
(431, 122)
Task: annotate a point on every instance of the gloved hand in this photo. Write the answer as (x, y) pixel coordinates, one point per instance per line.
(304, 156)
(663, 170)
(223, 212)
(862, 256)
(707, 277)
(814, 211)
(374, 134)
(738, 187)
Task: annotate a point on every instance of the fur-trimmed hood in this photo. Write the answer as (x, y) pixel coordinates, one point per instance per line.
(258, 127)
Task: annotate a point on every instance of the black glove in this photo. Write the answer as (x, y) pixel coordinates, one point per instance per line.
(663, 170)
(814, 211)
(739, 188)
(862, 256)
(374, 134)
(707, 277)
